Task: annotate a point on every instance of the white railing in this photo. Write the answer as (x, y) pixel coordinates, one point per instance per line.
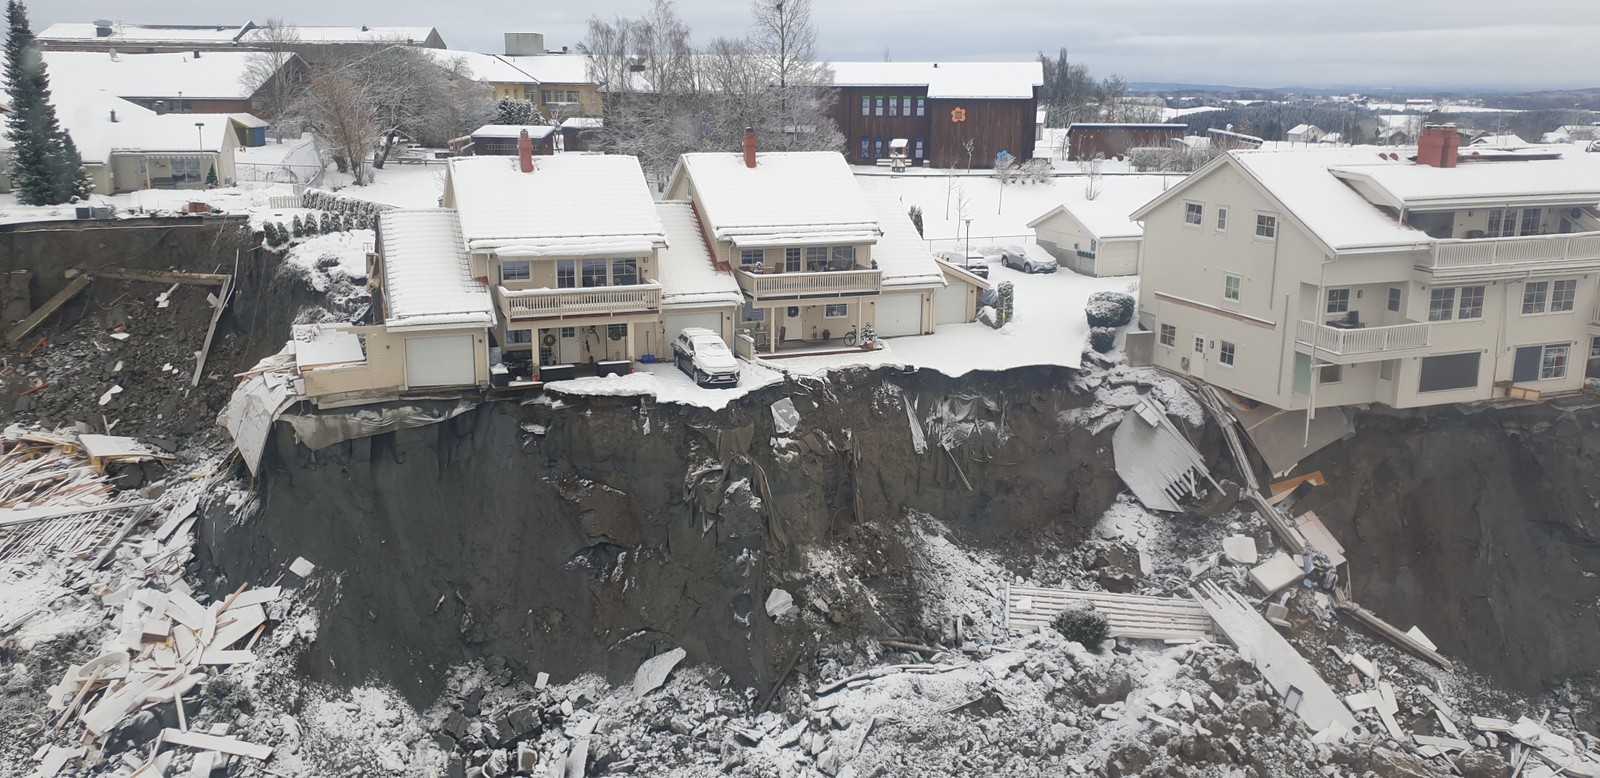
(1510, 252)
(568, 302)
(283, 201)
(818, 284)
(1365, 340)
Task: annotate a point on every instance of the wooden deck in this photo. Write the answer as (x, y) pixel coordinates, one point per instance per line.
(1130, 615)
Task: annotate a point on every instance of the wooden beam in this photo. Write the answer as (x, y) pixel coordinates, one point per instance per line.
(1387, 630)
(226, 745)
(211, 331)
(164, 276)
(71, 290)
(26, 516)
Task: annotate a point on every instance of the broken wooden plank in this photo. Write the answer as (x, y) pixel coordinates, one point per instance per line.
(226, 745)
(244, 621)
(1442, 743)
(211, 331)
(26, 516)
(218, 656)
(70, 291)
(163, 276)
(1390, 632)
(127, 527)
(250, 597)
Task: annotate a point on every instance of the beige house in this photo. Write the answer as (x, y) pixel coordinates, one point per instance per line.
(1090, 232)
(1328, 277)
(815, 258)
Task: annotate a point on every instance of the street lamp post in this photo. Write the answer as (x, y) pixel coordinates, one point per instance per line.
(969, 236)
(200, 136)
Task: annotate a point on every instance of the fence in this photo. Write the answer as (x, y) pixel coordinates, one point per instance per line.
(278, 173)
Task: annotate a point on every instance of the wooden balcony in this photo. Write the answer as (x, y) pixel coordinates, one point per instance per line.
(1362, 344)
(1491, 256)
(798, 286)
(568, 303)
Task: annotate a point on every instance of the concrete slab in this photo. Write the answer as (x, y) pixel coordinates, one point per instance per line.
(1240, 549)
(1276, 573)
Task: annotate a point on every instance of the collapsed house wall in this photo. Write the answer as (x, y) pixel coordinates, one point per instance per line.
(587, 537)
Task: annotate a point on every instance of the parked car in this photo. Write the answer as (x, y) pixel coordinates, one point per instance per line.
(970, 261)
(1016, 258)
(701, 355)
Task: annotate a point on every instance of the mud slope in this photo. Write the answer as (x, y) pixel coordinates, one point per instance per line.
(1482, 529)
(587, 536)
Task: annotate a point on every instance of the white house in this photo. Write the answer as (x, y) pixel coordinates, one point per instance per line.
(1342, 276)
(1304, 133)
(1097, 237)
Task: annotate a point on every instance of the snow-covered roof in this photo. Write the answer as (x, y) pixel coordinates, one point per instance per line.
(947, 80)
(553, 68)
(1335, 213)
(582, 123)
(1507, 139)
(787, 198)
(901, 254)
(1238, 136)
(570, 203)
(427, 277)
(144, 34)
(1124, 126)
(414, 35)
(491, 68)
(1569, 179)
(1301, 129)
(86, 114)
(249, 120)
(688, 275)
(514, 131)
(214, 75)
(1108, 215)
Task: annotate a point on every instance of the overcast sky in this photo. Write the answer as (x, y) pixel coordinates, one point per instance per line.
(1402, 43)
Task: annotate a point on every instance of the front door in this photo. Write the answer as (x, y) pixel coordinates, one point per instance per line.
(791, 324)
(1197, 358)
(570, 348)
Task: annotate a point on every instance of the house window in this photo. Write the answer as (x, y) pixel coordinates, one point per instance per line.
(1451, 371)
(919, 148)
(844, 258)
(1494, 222)
(905, 106)
(749, 258)
(752, 313)
(569, 332)
(877, 147)
(1594, 348)
(624, 272)
(1331, 374)
(1199, 345)
(566, 273)
(866, 105)
(922, 106)
(1441, 304)
(836, 311)
(894, 106)
(791, 260)
(1192, 213)
(1338, 301)
(515, 271)
(878, 105)
(866, 146)
(816, 258)
(1231, 285)
(1530, 221)
(1535, 297)
(1227, 352)
(1553, 363)
(519, 337)
(616, 331)
(186, 170)
(1471, 306)
(1222, 220)
(1563, 295)
(1266, 226)
(1386, 370)
(1169, 335)
(544, 96)
(1394, 298)
(594, 273)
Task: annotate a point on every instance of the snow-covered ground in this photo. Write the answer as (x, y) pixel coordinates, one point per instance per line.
(668, 384)
(399, 185)
(244, 198)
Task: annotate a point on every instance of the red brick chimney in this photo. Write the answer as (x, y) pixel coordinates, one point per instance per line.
(525, 152)
(1439, 146)
(749, 147)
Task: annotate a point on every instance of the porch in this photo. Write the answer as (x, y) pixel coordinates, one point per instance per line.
(1339, 345)
(1489, 256)
(808, 285)
(563, 303)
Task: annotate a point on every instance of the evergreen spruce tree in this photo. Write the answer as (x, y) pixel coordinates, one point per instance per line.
(211, 176)
(43, 171)
(75, 177)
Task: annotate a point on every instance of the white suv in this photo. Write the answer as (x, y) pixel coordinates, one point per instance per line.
(701, 354)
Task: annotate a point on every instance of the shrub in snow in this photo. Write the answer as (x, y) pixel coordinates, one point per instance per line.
(269, 235)
(1007, 304)
(1083, 625)
(916, 218)
(1103, 339)
(1109, 309)
(299, 227)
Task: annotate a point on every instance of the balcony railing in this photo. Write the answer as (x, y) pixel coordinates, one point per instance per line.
(534, 303)
(1489, 254)
(1339, 342)
(782, 286)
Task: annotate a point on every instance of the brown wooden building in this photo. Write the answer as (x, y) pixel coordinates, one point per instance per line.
(500, 140)
(1112, 141)
(937, 107)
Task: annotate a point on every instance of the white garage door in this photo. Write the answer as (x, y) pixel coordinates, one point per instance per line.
(440, 361)
(899, 314)
(950, 305)
(678, 322)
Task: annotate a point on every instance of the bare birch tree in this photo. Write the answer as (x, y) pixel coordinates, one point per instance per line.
(338, 113)
(270, 72)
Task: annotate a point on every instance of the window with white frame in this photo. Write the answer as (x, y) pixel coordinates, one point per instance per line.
(515, 271)
(1530, 221)
(1222, 220)
(1394, 298)
(1386, 370)
(922, 106)
(186, 170)
(836, 310)
(1169, 335)
(1199, 345)
(1338, 301)
(1563, 295)
(752, 313)
(1553, 362)
(1469, 304)
(1193, 213)
(844, 257)
(1535, 297)
(816, 258)
(1266, 226)
(749, 258)
(1231, 286)
(566, 273)
(519, 337)
(791, 261)
(594, 273)
(1594, 348)
(866, 105)
(1227, 353)
(1330, 374)
(624, 272)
